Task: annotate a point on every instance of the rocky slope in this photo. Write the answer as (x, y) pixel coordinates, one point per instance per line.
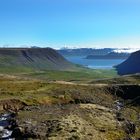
(27, 59)
(131, 65)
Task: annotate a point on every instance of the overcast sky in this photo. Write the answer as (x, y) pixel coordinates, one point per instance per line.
(76, 23)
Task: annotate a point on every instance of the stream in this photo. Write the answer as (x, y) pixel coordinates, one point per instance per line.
(119, 105)
(7, 124)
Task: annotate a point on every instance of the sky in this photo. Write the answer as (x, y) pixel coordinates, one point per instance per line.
(70, 23)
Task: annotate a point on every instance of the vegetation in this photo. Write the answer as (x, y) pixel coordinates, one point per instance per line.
(66, 110)
(74, 103)
(35, 91)
(128, 79)
(32, 59)
(75, 76)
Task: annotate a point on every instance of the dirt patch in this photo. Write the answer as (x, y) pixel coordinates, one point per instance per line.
(12, 105)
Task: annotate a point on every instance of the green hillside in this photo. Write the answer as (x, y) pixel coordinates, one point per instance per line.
(46, 64)
(32, 59)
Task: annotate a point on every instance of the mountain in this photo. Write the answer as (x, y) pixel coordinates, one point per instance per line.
(28, 59)
(131, 65)
(84, 51)
(111, 55)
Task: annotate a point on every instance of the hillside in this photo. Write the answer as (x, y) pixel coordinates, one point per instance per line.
(32, 59)
(111, 55)
(131, 65)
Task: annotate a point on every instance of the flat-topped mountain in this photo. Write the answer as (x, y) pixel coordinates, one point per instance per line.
(32, 59)
(111, 55)
(84, 51)
(131, 65)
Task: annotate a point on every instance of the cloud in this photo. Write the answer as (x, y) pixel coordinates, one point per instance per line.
(128, 50)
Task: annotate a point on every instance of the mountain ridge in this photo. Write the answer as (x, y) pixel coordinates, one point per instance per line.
(33, 59)
(131, 65)
(111, 55)
(84, 51)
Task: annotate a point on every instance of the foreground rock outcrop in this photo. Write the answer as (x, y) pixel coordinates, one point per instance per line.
(75, 122)
(83, 121)
(11, 105)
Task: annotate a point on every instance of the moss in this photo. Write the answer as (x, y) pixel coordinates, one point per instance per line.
(77, 76)
(131, 113)
(39, 92)
(115, 135)
(137, 134)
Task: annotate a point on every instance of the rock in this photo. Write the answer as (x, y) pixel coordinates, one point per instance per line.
(1, 128)
(16, 133)
(11, 105)
(119, 116)
(29, 133)
(31, 108)
(12, 124)
(129, 127)
(102, 130)
(129, 138)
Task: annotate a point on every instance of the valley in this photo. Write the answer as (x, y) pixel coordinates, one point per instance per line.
(71, 102)
(69, 70)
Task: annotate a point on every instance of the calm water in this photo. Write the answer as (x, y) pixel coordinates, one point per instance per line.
(95, 64)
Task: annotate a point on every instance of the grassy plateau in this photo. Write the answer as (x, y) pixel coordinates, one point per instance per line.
(51, 106)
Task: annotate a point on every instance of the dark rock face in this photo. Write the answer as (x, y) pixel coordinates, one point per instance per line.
(16, 133)
(131, 65)
(33, 58)
(119, 117)
(41, 130)
(129, 127)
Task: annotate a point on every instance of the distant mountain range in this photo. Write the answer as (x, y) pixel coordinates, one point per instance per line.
(84, 51)
(111, 55)
(41, 59)
(131, 65)
(93, 51)
(28, 59)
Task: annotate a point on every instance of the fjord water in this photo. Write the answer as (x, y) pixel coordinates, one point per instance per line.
(94, 63)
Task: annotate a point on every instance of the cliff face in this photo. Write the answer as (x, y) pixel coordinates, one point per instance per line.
(33, 58)
(131, 65)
